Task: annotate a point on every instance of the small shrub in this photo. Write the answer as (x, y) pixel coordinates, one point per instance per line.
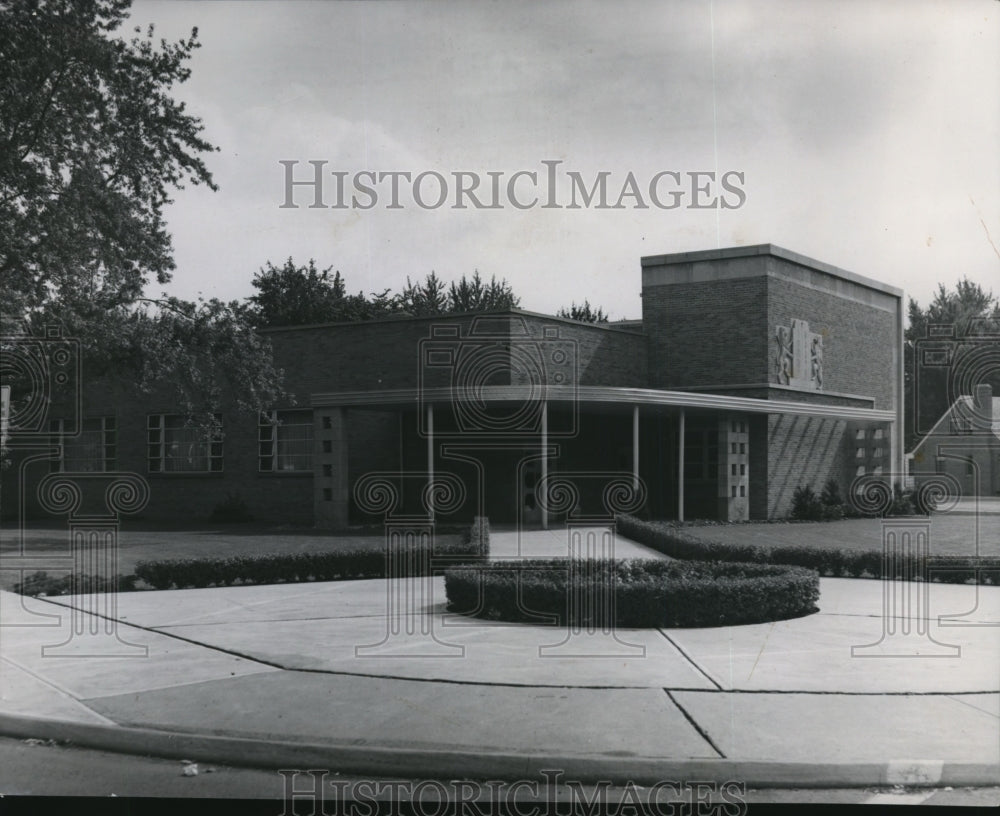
(231, 510)
(903, 502)
(831, 512)
(41, 583)
(830, 497)
(806, 505)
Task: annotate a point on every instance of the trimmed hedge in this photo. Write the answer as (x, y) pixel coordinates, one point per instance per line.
(646, 592)
(831, 562)
(344, 565)
(41, 583)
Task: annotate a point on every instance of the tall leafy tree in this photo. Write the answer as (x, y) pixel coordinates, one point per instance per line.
(426, 297)
(294, 295)
(92, 145)
(476, 295)
(291, 295)
(584, 313)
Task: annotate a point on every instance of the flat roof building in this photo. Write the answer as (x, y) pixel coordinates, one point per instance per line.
(754, 370)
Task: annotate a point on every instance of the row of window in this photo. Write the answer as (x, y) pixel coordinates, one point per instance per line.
(285, 444)
(94, 449)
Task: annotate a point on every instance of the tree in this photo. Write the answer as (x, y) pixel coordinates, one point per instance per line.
(584, 313)
(474, 295)
(429, 297)
(92, 143)
(292, 295)
(928, 393)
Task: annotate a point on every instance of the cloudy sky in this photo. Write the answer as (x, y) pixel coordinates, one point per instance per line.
(866, 133)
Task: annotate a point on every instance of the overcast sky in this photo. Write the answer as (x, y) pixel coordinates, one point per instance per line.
(867, 134)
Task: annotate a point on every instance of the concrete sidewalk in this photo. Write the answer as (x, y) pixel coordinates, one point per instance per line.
(376, 677)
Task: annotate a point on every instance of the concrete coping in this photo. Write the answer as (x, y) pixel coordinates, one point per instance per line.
(650, 261)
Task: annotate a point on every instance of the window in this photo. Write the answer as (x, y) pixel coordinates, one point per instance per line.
(861, 471)
(93, 450)
(877, 434)
(859, 434)
(701, 454)
(286, 442)
(734, 470)
(743, 470)
(175, 446)
(859, 453)
(877, 453)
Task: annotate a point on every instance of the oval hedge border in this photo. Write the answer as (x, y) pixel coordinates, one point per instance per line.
(647, 593)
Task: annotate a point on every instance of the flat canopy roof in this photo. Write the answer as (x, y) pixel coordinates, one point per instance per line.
(600, 394)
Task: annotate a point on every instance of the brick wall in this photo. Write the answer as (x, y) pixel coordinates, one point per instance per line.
(707, 332)
(386, 355)
(859, 339)
(802, 450)
(185, 497)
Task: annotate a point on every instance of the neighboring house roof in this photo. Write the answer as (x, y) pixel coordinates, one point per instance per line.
(962, 410)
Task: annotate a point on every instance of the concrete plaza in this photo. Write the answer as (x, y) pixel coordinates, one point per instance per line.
(377, 677)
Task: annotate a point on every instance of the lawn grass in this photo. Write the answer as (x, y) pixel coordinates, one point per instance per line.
(949, 534)
(135, 545)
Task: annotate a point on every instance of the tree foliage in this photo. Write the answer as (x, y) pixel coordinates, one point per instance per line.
(296, 295)
(92, 144)
(426, 297)
(584, 313)
(475, 295)
(959, 307)
(290, 295)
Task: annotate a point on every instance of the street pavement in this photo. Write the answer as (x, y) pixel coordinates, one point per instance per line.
(376, 677)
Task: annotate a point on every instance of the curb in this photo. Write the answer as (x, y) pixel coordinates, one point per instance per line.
(418, 763)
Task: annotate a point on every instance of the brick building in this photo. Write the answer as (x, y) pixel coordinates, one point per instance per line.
(754, 370)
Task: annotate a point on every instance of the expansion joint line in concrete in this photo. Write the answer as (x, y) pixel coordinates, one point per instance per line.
(690, 660)
(694, 724)
(717, 689)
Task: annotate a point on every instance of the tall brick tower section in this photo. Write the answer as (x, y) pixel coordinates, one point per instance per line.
(766, 323)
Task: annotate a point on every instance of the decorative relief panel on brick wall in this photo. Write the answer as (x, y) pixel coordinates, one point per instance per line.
(798, 356)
